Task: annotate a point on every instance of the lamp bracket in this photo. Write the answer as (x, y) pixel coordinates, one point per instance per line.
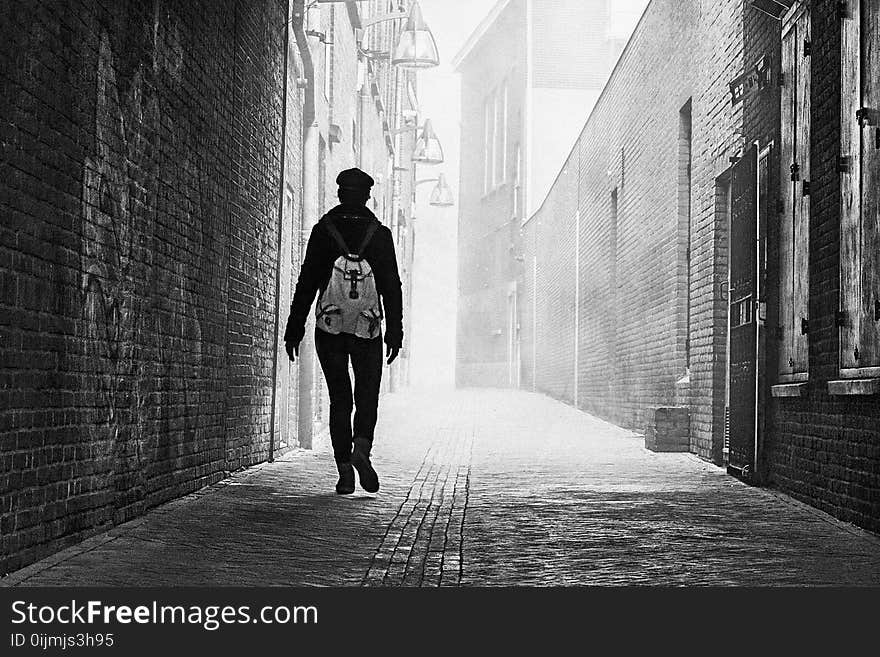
(322, 37)
(382, 18)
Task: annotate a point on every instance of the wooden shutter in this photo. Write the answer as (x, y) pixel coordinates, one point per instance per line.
(850, 185)
(860, 180)
(869, 334)
(795, 218)
(801, 304)
(786, 192)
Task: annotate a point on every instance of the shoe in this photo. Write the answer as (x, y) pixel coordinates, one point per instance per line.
(345, 485)
(360, 459)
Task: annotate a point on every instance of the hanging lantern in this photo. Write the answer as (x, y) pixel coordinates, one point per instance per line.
(441, 195)
(416, 47)
(428, 149)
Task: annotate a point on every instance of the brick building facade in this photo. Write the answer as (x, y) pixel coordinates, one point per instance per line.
(633, 230)
(158, 180)
(708, 247)
(821, 443)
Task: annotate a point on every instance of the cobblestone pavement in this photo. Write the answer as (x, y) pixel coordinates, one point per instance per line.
(478, 488)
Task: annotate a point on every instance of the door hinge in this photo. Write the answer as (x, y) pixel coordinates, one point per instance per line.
(795, 171)
(808, 48)
(840, 318)
(867, 116)
(805, 326)
(877, 138)
(856, 353)
(877, 310)
(843, 10)
(806, 188)
(844, 164)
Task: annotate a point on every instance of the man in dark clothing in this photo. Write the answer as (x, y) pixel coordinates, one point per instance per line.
(350, 224)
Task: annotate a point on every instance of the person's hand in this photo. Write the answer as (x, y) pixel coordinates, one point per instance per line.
(292, 350)
(391, 353)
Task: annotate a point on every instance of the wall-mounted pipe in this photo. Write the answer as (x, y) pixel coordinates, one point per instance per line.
(305, 54)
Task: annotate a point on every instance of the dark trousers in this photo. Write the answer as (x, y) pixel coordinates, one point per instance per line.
(334, 352)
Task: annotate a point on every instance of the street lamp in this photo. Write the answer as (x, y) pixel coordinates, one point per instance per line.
(441, 195)
(416, 47)
(428, 149)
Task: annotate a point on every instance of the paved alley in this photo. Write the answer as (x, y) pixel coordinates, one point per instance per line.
(478, 488)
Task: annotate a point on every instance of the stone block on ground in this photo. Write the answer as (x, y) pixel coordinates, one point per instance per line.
(668, 429)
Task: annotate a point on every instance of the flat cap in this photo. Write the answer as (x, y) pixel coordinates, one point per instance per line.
(354, 179)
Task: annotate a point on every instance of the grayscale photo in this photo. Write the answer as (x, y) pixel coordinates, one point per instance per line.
(474, 294)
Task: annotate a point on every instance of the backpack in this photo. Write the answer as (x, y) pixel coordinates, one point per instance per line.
(349, 303)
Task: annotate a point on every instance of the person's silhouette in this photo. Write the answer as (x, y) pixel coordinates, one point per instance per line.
(349, 313)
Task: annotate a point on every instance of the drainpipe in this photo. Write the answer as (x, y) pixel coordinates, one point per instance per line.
(279, 237)
(309, 208)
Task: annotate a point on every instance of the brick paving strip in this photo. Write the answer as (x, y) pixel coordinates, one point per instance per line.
(423, 543)
(479, 487)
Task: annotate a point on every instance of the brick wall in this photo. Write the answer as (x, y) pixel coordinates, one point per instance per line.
(823, 450)
(139, 191)
(633, 272)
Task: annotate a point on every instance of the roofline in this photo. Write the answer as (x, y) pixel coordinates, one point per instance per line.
(479, 33)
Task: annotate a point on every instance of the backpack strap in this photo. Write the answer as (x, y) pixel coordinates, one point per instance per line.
(336, 235)
(371, 230)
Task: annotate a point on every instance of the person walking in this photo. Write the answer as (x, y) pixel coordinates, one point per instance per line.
(351, 264)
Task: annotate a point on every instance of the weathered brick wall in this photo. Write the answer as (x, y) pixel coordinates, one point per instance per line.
(555, 248)
(253, 216)
(821, 449)
(633, 274)
(139, 185)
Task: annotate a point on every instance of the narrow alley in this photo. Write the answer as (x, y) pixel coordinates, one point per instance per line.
(478, 488)
(612, 268)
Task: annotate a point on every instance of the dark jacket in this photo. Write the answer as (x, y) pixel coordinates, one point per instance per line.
(322, 251)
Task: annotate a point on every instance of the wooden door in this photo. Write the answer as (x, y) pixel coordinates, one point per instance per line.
(743, 356)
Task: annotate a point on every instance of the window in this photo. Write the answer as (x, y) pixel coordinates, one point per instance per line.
(517, 182)
(859, 319)
(288, 204)
(685, 185)
(495, 124)
(355, 138)
(612, 293)
(487, 144)
(501, 136)
(794, 220)
(496, 116)
(328, 57)
(495, 139)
